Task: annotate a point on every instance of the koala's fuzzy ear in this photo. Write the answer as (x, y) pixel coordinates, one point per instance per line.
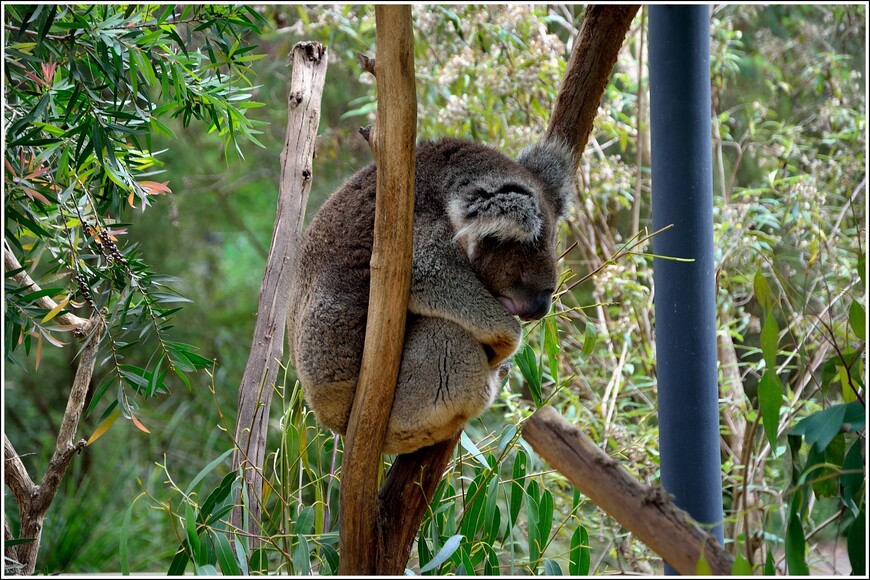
(507, 210)
(552, 162)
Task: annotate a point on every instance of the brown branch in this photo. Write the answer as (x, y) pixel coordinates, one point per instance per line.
(390, 287)
(601, 35)
(404, 498)
(82, 326)
(645, 511)
(255, 390)
(34, 500)
(367, 62)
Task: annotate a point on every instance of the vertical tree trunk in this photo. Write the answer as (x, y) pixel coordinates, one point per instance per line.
(394, 147)
(255, 391)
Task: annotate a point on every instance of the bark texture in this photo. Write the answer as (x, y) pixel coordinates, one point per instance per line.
(267, 348)
(394, 148)
(645, 511)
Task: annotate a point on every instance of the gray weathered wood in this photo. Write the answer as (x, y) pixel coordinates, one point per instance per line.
(267, 348)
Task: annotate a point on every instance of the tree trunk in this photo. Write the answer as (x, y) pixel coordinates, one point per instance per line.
(255, 391)
(394, 148)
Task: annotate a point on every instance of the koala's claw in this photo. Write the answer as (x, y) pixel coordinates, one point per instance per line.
(504, 369)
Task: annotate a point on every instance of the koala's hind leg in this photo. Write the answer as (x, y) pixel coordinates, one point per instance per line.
(443, 382)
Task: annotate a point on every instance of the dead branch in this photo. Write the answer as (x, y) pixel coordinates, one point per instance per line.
(390, 287)
(367, 62)
(34, 500)
(645, 511)
(267, 348)
(595, 51)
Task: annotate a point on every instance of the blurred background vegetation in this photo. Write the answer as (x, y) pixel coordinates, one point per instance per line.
(789, 126)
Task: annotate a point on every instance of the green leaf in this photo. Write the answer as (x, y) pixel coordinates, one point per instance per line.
(856, 544)
(741, 567)
(552, 568)
(702, 568)
(579, 556)
(857, 320)
(517, 486)
(551, 346)
(465, 561)
(205, 570)
(469, 446)
(769, 564)
(301, 556)
(545, 517)
(762, 289)
(491, 514)
(589, 339)
(862, 269)
(852, 478)
(795, 547)
(123, 543)
(819, 428)
(206, 470)
(444, 554)
(474, 502)
(770, 341)
(192, 536)
(179, 562)
(219, 494)
(769, 401)
(225, 557)
(490, 562)
(527, 361)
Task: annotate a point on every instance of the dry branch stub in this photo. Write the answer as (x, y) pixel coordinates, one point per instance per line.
(645, 511)
(255, 391)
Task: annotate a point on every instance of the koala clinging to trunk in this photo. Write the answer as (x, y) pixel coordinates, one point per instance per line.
(484, 253)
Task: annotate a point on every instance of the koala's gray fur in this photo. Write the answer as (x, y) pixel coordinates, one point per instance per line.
(484, 251)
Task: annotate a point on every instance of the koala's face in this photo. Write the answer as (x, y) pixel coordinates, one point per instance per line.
(522, 276)
(505, 220)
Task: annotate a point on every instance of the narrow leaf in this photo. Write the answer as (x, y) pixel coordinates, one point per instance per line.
(444, 554)
(857, 320)
(770, 401)
(139, 425)
(104, 426)
(56, 310)
(770, 341)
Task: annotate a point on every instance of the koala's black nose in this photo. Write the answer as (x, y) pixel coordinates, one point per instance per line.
(538, 306)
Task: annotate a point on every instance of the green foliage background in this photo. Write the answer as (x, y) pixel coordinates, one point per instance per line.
(789, 125)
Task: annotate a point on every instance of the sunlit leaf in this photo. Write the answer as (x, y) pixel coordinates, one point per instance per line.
(104, 426)
(139, 425)
(56, 310)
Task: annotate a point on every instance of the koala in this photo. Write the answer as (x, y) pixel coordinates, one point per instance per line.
(484, 256)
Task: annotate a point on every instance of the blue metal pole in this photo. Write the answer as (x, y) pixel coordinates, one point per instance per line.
(685, 293)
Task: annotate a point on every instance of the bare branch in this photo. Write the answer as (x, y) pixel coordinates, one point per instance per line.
(255, 391)
(66, 445)
(367, 62)
(15, 474)
(645, 511)
(83, 325)
(404, 497)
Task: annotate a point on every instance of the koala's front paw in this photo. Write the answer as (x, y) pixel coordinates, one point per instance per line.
(504, 369)
(502, 348)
